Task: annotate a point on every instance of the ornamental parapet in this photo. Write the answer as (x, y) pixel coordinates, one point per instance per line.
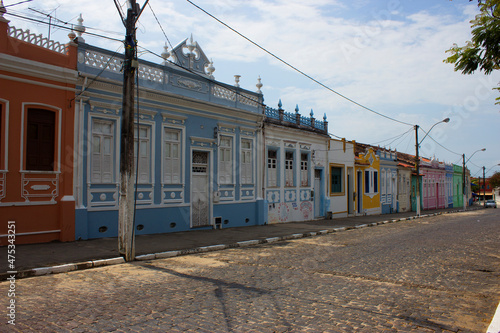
(281, 117)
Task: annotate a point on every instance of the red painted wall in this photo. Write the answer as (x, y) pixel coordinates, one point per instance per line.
(16, 89)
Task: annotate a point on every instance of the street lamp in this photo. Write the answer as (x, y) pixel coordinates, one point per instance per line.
(484, 184)
(463, 175)
(492, 168)
(417, 158)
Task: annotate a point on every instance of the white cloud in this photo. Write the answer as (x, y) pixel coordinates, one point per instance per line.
(387, 57)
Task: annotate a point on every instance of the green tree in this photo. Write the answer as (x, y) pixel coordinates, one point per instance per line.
(483, 51)
(475, 185)
(495, 180)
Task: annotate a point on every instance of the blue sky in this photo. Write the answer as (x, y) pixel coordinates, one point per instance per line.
(386, 55)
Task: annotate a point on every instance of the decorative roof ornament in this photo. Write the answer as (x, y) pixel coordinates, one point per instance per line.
(3, 11)
(280, 104)
(312, 113)
(237, 81)
(211, 69)
(296, 108)
(80, 29)
(165, 54)
(72, 35)
(191, 45)
(259, 85)
(324, 117)
(189, 55)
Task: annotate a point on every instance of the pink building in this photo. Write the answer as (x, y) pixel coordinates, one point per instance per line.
(434, 184)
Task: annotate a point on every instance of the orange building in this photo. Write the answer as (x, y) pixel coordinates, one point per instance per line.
(37, 92)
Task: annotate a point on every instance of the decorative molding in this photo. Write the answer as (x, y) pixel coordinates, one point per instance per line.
(46, 185)
(305, 146)
(190, 84)
(247, 194)
(2, 184)
(102, 198)
(290, 195)
(226, 128)
(202, 142)
(173, 118)
(273, 196)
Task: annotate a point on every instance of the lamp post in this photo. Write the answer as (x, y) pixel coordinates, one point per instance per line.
(417, 158)
(463, 175)
(484, 187)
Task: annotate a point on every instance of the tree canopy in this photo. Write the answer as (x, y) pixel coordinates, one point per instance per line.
(495, 180)
(482, 52)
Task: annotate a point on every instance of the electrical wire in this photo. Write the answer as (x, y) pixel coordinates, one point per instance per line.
(405, 135)
(98, 74)
(63, 27)
(18, 3)
(295, 68)
(201, 76)
(394, 137)
(158, 21)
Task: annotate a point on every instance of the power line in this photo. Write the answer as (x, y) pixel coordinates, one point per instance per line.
(430, 137)
(63, 27)
(158, 21)
(394, 137)
(295, 68)
(18, 3)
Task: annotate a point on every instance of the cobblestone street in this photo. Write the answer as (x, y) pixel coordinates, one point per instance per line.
(435, 274)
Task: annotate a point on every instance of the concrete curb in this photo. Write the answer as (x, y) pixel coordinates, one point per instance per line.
(169, 254)
(495, 322)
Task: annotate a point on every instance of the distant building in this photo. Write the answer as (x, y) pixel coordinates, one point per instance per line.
(458, 195)
(434, 180)
(341, 178)
(367, 168)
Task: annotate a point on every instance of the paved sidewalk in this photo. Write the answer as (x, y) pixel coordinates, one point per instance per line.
(32, 258)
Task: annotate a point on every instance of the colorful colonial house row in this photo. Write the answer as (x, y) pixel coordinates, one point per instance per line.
(209, 154)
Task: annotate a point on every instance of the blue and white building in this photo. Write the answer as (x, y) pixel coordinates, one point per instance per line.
(388, 180)
(196, 139)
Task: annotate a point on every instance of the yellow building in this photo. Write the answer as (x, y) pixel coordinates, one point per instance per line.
(367, 167)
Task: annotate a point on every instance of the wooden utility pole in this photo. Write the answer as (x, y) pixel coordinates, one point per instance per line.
(126, 241)
(417, 169)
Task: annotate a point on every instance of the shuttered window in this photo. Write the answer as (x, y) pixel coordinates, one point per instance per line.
(142, 142)
(289, 168)
(171, 156)
(272, 168)
(226, 160)
(246, 162)
(304, 169)
(102, 150)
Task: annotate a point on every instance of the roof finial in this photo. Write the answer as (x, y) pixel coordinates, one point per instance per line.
(296, 108)
(211, 69)
(165, 54)
(259, 85)
(191, 45)
(3, 11)
(80, 29)
(237, 81)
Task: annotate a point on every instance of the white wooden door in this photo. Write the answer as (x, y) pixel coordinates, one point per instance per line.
(317, 192)
(200, 200)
